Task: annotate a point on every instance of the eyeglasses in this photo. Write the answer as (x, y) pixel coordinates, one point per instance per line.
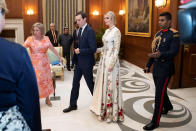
(2, 11)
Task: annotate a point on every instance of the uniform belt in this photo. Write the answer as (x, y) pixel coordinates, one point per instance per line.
(162, 60)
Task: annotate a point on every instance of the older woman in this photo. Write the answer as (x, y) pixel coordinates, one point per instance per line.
(19, 106)
(107, 97)
(39, 45)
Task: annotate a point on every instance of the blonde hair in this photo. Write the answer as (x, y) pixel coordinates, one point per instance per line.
(112, 16)
(40, 26)
(3, 5)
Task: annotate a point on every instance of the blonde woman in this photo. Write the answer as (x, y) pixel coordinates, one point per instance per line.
(39, 45)
(107, 101)
(19, 106)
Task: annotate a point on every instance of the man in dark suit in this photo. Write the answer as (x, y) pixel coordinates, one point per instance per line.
(65, 40)
(53, 35)
(165, 47)
(85, 62)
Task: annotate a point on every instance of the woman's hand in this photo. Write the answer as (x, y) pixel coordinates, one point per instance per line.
(98, 50)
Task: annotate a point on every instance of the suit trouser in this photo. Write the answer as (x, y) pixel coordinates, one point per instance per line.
(88, 76)
(67, 56)
(161, 98)
(74, 59)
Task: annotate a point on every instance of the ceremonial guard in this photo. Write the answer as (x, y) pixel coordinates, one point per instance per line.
(165, 47)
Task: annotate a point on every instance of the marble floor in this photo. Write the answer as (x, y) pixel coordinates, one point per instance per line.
(138, 96)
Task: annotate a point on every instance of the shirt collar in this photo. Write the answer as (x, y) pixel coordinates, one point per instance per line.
(164, 30)
(83, 27)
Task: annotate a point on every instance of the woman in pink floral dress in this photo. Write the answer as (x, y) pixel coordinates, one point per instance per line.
(107, 101)
(39, 45)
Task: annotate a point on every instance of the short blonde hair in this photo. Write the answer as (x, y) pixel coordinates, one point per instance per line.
(112, 16)
(3, 5)
(40, 26)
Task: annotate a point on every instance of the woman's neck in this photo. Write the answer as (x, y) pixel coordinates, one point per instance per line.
(38, 37)
(111, 26)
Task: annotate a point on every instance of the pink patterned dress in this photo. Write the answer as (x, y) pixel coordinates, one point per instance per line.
(40, 61)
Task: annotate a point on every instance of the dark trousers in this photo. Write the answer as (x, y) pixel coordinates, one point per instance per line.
(161, 97)
(74, 60)
(67, 56)
(88, 76)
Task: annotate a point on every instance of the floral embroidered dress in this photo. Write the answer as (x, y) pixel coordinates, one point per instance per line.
(40, 61)
(107, 100)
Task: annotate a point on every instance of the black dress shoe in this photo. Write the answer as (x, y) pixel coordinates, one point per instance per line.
(165, 111)
(70, 108)
(150, 126)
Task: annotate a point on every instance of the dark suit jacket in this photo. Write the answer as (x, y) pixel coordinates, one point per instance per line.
(49, 34)
(75, 40)
(18, 85)
(87, 46)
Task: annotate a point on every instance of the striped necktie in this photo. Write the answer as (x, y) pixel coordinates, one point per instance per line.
(54, 37)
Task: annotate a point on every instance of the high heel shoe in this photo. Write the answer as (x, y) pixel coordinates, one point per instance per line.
(48, 103)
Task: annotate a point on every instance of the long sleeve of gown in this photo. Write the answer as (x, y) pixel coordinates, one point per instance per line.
(27, 94)
(116, 48)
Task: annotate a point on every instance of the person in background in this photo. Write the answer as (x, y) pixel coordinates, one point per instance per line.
(107, 102)
(39, 45)
(19, 106)
(65, 40)
(75, 40)
(53, 35)
(165, 47)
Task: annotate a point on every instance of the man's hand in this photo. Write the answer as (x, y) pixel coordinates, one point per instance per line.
(155, 54)
(146, 70)
(77, 51)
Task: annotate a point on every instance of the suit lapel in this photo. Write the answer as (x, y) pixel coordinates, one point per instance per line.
(82, 37)
(84, 31)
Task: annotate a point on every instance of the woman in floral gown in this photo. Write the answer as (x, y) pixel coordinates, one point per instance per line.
(39, 45)
(107, 101)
